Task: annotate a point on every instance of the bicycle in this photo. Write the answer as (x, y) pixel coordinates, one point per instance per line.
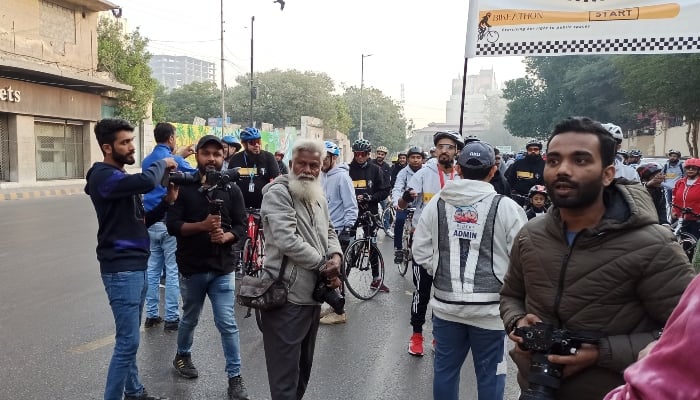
(357, 271)
(685, 239)
(388, 220)
(407, 242)
(490, 35)
(253, 253)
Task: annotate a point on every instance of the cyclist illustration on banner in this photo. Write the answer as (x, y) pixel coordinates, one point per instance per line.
(485, 31)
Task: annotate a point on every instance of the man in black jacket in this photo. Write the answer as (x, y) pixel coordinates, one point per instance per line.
(206, 219)
(526, 172)
(123, 245)
(371, 187)
(257, 167)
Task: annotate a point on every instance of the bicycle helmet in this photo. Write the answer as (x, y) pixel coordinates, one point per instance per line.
(382, 149)
(535, 143)
(647, 171)
(676, 152)
(471, 138)
(635, 153)
(614, 130)
(362, 145)
(623, 153)
(449, 135)
(401, 153)
(692, 162)
(537, 189)
(332, 148)
(432, 149)
(416, 150)
(250, 133)
(231, 141)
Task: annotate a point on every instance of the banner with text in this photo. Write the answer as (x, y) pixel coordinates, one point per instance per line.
(578, 27)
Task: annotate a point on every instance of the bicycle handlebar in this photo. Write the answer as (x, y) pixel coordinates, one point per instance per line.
(686, 210)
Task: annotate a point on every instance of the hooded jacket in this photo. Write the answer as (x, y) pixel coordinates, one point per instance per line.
(466, 250)
(426, 183)
(401, 183)
(685, 195)
(670, 370)
(300, 231)
(342, 204)
(621, 278)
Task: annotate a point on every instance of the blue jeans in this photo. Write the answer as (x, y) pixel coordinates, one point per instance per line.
(163, 247)
(453, 341)
(126, 292)
(221, 292)
(398, 228)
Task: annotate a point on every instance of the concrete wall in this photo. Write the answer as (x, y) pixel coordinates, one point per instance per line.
(311, 128)
(22, 168)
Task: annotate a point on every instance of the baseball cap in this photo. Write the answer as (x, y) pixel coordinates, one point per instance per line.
(477, 155)
(209, 139)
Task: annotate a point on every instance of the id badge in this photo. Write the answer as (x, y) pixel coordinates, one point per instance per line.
(251, 187)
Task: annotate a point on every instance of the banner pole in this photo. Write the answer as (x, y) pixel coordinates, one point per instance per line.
(464, 93)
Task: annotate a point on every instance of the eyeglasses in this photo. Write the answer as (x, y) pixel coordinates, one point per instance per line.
(446, 146)
(254, 142)
(360, 153)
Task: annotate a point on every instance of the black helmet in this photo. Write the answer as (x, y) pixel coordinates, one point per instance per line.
(676, 152)
(471, 138)
(635, 153)
(449, 135)
(416, 150)
(362, 145)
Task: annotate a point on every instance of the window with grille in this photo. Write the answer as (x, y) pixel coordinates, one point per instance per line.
(59, 149)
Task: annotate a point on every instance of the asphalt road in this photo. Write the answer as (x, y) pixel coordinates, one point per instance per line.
(56, 328)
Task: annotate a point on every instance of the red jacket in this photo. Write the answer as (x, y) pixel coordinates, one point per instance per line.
(686, 196)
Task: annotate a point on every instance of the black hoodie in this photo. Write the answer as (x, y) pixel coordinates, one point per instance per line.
(122, 236)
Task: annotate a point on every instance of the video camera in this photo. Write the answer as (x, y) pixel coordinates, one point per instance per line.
(213, 179)
(543, 339)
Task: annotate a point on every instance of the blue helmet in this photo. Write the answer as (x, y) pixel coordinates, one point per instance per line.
(231, 141)
(332, 148)
(249, 133)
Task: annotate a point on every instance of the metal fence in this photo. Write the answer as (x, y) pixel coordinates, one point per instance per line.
(59, 150)
(4, 149)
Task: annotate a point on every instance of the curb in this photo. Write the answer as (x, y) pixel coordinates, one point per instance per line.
(35, 194)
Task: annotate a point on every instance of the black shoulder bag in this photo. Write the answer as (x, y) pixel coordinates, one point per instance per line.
(264, 293)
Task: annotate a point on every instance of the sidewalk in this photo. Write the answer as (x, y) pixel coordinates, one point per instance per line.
(42, 189)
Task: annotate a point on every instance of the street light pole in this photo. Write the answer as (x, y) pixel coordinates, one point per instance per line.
(252, 91)
(362, 87)
(223, 85)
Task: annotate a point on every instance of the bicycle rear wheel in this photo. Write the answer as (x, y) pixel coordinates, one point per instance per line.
(406, 248)
(252, 267)
(688, 243)
(357, 271)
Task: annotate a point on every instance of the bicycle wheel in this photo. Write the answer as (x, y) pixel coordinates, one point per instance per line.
(492, 36)
(388, 220)
(406, 248)
(688, 243)
(357, 271)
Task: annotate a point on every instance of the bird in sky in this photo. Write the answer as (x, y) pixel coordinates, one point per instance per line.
(281, 4)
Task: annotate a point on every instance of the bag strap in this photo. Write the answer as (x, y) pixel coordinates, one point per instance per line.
(282, 269)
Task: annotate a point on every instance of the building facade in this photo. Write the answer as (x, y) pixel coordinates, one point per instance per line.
(480, 89)
(51, 94)
(175, 71)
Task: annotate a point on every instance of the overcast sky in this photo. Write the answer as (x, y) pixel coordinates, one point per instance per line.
(416, 43)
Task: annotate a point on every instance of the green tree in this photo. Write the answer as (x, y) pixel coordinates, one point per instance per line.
(668, 84)
(383, 122)
(160, 97)
(196, 99)
(124, 55)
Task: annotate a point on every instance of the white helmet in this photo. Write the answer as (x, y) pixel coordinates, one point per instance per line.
(614, 130)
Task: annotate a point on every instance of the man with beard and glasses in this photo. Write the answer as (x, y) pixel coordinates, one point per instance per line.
(598, 264)
(204, 237)
(686, 194)
(424, 184)
(301, 237)
(526, 172)
(123, 245)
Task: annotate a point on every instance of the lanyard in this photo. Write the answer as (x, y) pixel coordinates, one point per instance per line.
(442, 178)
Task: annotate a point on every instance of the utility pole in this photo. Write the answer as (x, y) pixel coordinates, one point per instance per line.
(223, 85)
(252, 89)
(362, 88)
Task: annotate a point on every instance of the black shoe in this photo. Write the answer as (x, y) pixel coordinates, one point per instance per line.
(151, 322)
(171, 326)
(236, 389)
(398, 256)
(184, 366)
(144, 396)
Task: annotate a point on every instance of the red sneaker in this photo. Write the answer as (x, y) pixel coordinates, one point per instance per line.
(379, 284)
(415, 345)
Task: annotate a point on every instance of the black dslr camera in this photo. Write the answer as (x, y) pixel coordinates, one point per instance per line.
(542, 339)
(213, 178)
(179, 178)
(324, 294)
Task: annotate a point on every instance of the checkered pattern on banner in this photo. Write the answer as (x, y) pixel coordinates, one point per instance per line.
(689, 44)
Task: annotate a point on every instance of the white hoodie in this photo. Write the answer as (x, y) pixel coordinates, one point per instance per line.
(468, 272)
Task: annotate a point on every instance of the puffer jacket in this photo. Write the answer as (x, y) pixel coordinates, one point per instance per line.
(622, 279)
(303, 232)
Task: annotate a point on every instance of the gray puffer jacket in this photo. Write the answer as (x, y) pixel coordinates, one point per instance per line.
(301, 231)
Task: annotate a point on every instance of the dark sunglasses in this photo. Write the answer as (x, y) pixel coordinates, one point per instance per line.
(360, 153)
(254, 142)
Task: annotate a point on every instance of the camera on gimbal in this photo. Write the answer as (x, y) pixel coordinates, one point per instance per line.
(543, 339)
(324, 294)
(213, 178)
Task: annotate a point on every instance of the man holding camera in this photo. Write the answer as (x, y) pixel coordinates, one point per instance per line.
(122, 245)
(598, 266)
(301, 237)
(163, 245)
(206, 219)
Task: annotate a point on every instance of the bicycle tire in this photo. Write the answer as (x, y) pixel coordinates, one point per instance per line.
(356, 274)
(492, 36)
(688, 243)
(406, 248)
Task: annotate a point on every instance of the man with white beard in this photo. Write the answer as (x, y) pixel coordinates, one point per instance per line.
(301, 237)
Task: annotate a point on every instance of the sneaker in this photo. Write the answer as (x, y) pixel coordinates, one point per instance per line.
(379, 284)
(144, 396)
(171, 326)
(325, 311)
(333, 318)
(398, 256)
(151, 322)
(415, 345)
(184, 366)
(236, 389)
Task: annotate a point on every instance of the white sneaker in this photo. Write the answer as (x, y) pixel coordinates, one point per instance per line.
(334, 318)
(325, 311)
